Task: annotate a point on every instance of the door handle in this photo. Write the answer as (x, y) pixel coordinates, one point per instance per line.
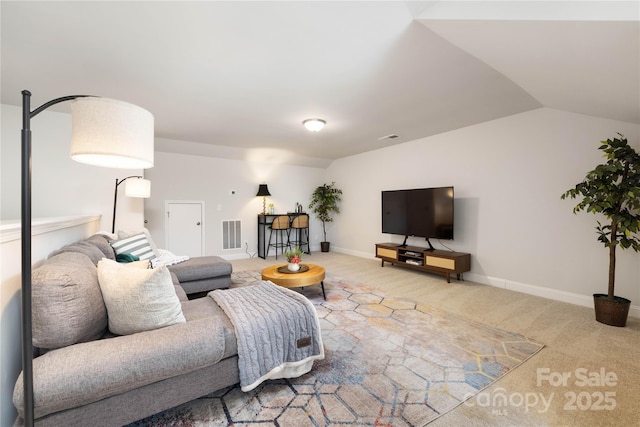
(198, 223)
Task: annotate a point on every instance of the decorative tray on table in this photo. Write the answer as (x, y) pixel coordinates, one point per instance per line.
(284, 269)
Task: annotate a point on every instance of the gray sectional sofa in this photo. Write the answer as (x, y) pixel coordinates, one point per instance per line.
(87, 375)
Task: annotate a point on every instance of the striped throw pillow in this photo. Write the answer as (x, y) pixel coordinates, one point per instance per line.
(136, 245)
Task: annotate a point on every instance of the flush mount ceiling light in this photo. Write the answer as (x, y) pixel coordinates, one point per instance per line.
(314, 125)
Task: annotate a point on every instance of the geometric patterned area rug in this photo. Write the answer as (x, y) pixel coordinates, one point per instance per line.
(388, 362)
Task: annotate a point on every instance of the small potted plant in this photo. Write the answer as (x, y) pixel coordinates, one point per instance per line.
(612, 189)
(324, 202)
(294, 257)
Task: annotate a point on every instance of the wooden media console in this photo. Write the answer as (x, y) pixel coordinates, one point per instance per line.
(433, 261)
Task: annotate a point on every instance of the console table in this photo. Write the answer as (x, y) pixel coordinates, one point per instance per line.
(264, 221)
(434, 261)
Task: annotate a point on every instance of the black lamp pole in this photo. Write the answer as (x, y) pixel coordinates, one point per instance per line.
(27, 344)
(115, 200)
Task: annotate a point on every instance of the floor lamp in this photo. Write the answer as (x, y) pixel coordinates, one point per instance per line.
(135, 188)
(104, 132)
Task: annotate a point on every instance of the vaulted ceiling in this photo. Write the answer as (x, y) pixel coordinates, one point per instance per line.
(236, 79)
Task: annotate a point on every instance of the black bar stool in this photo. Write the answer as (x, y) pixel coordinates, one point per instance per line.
(300, 225)
(280, 225)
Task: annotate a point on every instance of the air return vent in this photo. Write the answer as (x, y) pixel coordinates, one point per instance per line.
(231, 234)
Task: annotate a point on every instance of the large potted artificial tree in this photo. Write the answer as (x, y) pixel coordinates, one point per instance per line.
(612, 189)
(324, 202)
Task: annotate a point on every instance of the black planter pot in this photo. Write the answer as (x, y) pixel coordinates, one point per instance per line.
(611, 312)
(324, 246)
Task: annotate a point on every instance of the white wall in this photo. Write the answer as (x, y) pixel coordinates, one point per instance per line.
(187, 177)
(508, 176)
(60, 186)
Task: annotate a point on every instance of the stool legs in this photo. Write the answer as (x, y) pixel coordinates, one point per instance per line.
(298, 240)
(280, 244)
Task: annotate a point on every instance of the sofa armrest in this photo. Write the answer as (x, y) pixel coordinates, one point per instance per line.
(174, 278)
(182, 295)
(83, 373)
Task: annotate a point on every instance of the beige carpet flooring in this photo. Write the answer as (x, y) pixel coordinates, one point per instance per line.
(563, 385)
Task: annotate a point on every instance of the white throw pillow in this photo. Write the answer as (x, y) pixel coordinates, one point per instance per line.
(143, 264)
(137, 245)
(138, 299)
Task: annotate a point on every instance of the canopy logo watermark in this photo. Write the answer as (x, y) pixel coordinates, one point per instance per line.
(589, 391)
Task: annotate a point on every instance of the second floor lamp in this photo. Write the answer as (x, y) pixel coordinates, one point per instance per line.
(138, 187)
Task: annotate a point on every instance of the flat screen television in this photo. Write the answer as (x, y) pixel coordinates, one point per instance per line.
(421, 212)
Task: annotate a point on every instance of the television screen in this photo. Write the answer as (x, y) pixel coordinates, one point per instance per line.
(423, 212)
(394, 212)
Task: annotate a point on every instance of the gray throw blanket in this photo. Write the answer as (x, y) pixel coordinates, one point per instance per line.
(277, 331)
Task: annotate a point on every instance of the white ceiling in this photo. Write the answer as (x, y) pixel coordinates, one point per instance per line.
(236, 79)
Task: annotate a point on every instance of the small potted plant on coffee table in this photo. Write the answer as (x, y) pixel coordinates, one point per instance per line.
(294, 257)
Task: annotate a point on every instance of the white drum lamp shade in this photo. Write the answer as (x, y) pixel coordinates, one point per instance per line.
(111, 133)
(138, 188)
(135, 186)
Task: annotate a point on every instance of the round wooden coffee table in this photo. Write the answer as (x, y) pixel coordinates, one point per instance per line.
(312, 276)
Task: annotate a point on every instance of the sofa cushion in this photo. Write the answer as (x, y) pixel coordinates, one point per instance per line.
(83, 247)
(89, 372)
(138, 299)
(67, 303)
(101, 242)
(201, 268)
(137, 245)
(206, 308)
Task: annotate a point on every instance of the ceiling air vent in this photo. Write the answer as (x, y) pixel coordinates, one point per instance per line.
(392, 136)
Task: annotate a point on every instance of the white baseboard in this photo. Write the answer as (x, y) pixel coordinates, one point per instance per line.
(359, 254)
(235, 256)
(539, 291)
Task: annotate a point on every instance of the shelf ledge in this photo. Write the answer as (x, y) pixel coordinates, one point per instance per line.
(10, 230)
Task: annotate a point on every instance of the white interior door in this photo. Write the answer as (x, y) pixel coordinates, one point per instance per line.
(184, 226)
